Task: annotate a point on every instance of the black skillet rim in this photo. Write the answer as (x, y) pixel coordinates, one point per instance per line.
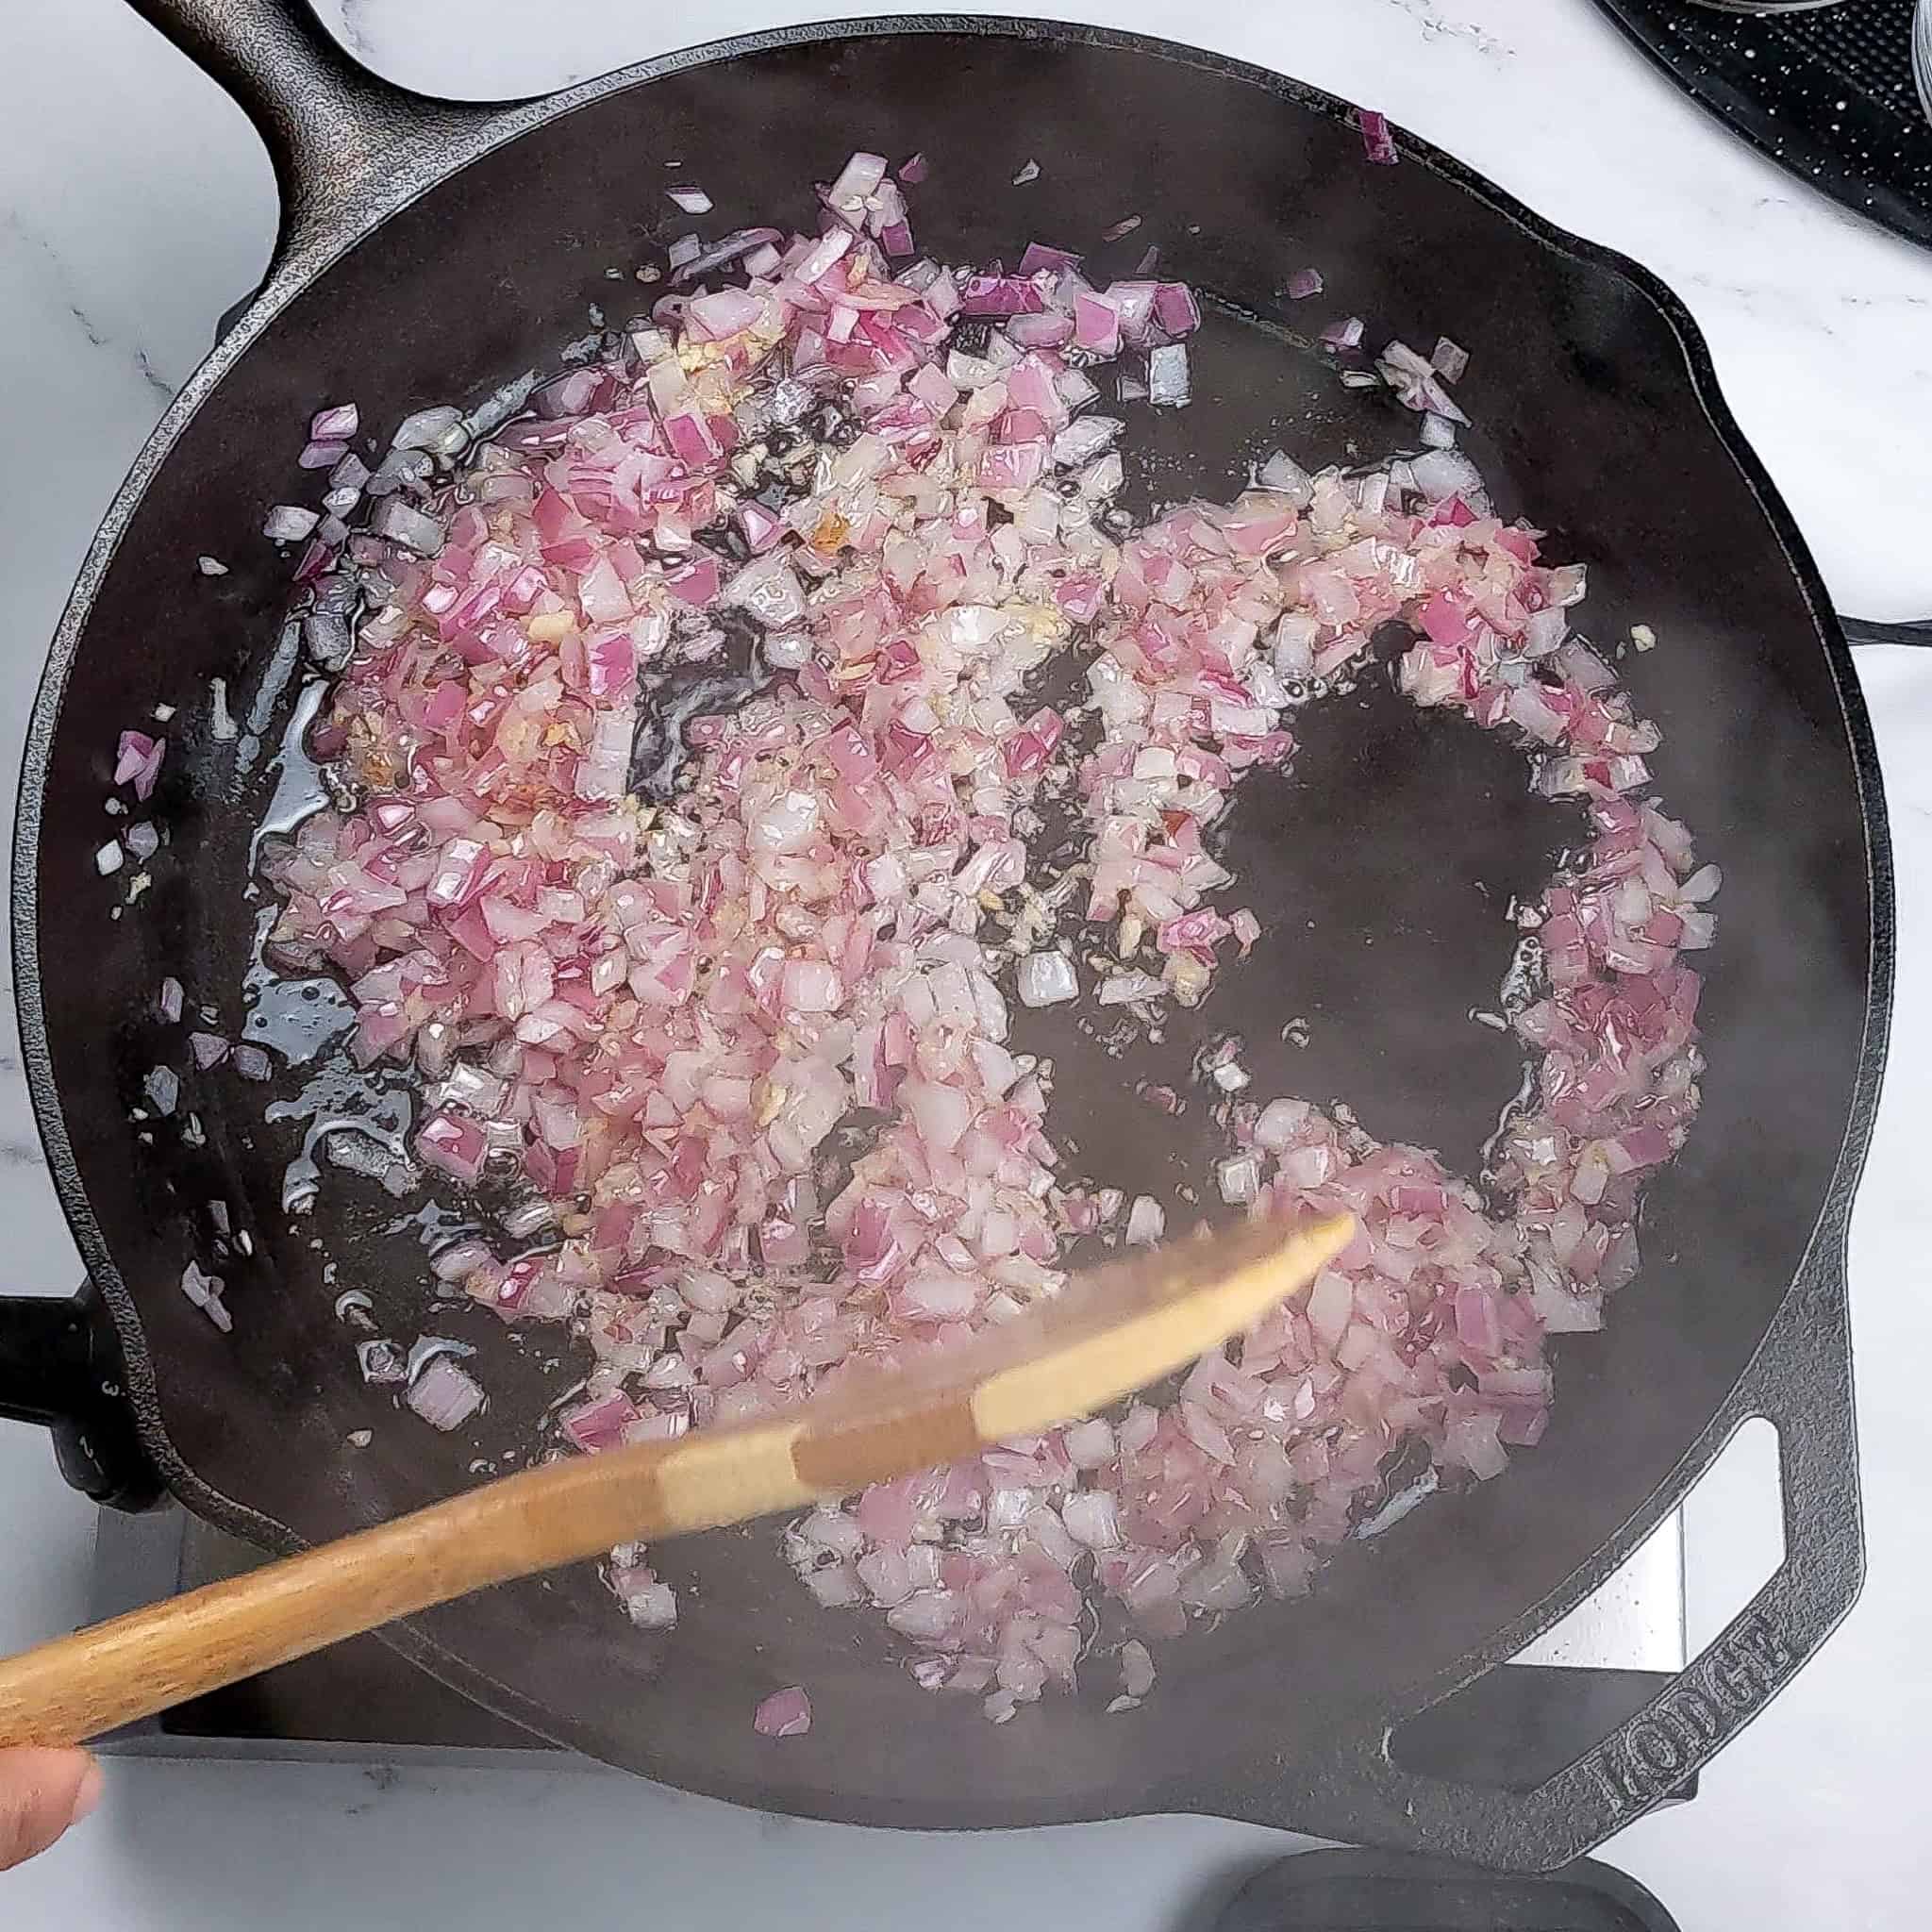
(421, 172)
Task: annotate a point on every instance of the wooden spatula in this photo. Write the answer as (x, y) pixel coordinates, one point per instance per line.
(1113, 1330)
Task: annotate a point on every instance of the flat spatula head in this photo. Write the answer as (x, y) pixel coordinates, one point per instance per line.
(1111, 1330)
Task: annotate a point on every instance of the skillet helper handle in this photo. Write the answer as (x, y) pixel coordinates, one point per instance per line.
(346, 147)
(60, 1368)
(1801, 1382)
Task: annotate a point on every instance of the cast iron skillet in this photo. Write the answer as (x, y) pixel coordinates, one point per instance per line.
(430, 251)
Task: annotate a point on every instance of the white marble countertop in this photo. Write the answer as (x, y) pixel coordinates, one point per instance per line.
(135, 205)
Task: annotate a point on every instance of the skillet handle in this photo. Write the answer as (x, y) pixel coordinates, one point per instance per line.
(345, 146)
(1801, 1382)
(60, 1367)
(1861, 630)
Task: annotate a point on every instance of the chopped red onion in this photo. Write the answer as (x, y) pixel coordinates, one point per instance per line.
(460, 1260)
(1282, 475)
(1416, 382)
(1176, 308)
(1001, 295)
(289, 523)
(1442, 474)
(453, 1145)
(649, 1022)
(382, 1363)
(1047, 980)
(856, 182)
(599, 1423)
(444, 1395)
(337, 423)
(1239, 1179)
(251, 1062)
(207, 1050)
(1167, 376)
(651, 1604)
(783, 1714)
(750, 245)
(1090, 1518)
(1304, 283)
(1378, 143)
(205, 1292)
(138, 763)
(401, 522)
(428, 428)
(693, 201)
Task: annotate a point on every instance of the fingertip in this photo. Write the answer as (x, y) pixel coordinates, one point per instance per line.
(42, 1793)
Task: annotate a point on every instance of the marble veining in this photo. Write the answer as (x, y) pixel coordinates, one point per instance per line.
(1429, 18)
(32, 254)
(349, 19)
(135, 205)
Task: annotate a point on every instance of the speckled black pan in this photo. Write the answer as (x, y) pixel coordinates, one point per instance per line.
(431, 251)
(1828, 94)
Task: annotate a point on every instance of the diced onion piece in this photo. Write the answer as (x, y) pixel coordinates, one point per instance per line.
(784, 1714)
(1168, 381)
(444, 1395)
(1047, 980)
(1378, 141)
(288, 522)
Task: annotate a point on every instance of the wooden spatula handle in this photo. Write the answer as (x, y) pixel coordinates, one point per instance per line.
(1119, 1328)
(112, 1674)
(78, 1687)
